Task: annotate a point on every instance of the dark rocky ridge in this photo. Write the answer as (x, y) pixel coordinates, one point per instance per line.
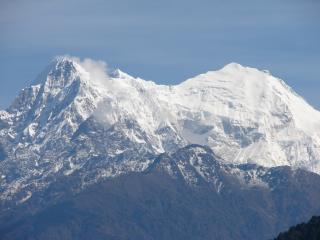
(309, 230)
(156, 205)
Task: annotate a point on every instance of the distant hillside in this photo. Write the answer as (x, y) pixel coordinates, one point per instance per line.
(185, 195)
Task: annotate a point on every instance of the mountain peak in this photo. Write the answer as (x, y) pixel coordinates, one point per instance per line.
(117, 73)
(236, 69)
(59, 73)
(64, 58)
(233, 66)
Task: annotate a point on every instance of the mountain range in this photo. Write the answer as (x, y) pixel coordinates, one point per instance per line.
(207, 158)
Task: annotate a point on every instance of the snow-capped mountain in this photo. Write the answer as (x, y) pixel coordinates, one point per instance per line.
(76, 118)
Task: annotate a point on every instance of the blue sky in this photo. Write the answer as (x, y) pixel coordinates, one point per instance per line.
(164, 41)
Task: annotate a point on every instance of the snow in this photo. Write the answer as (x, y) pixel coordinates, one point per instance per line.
(236, 97)
(243, 114)
(29, 194)
(31, 130)
(250, 178)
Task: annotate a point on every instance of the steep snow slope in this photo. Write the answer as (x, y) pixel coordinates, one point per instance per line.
(77, 118)
(243, 114)
(254, 117)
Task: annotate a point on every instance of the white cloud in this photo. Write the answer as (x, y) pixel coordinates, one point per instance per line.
(97, 69)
